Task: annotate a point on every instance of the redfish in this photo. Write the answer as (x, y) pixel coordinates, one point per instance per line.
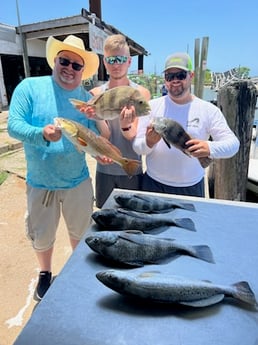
(86, 140)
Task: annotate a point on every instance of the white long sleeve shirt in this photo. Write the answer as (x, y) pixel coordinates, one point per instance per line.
(201, 120)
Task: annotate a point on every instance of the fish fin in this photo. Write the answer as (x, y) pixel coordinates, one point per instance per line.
(130, 166)
(203, 252)
(78, 104)
(205, 161)
(134, 263)
(81, 141)
(157, 230)
(167, 143)
(186, 223)
(204, 302)
(94, 99)
(244, 293)
(148, 274)
(187, 206)
(137, 232)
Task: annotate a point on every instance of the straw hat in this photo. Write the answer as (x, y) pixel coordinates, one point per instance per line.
(75, 45)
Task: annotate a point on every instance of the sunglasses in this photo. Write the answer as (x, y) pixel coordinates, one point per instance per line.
(177, 75)
(65, 62)
(119, 59)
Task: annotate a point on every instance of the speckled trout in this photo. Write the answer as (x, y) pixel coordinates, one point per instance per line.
(161, 287)
(86, 140)
(174, 134)
(134, 248)
(108, 105)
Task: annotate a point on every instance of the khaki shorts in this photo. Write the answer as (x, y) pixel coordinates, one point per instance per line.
(43, 213)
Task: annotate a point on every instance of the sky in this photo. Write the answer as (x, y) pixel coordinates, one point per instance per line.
(164, 27)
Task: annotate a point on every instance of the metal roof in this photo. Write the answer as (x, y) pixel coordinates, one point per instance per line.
(78, 25)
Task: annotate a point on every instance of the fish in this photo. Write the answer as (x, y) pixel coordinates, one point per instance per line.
(120, 219)
(150, 203)
(166, 288)
(108, 104)
(134, 248)
(86, 140)
(174, 134)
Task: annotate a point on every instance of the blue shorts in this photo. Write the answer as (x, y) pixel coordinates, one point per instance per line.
(151, 185)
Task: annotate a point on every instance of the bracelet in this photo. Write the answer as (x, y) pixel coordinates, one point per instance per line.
(126, 128)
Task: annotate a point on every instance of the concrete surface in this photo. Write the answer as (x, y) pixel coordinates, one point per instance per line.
(18, 265)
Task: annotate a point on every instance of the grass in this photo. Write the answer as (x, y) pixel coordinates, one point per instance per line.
(3, 176)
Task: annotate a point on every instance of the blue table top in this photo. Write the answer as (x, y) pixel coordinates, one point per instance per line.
(79, 310)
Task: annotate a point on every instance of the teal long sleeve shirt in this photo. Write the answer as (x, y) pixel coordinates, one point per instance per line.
(35, 103)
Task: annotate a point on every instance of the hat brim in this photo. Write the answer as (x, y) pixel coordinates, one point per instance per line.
(175, 66)
(91, 60)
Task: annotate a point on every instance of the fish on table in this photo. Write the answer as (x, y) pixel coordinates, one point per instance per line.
(150, 203)
(134, 248)
(161, 287)
(108, 104)
(86, 140)
(174, 134)
(120, 219)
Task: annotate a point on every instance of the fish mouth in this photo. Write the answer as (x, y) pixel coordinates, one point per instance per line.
(57, 122)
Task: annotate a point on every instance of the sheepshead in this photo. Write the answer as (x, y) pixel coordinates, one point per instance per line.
(108, 105)
(120, 219)
(150, 203)
(174, 134)
(135, 248)
(160, 287)
(86, 140)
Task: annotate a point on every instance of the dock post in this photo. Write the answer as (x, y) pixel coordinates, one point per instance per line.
(237, 101)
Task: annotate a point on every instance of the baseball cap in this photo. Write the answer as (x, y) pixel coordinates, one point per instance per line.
(179, 60)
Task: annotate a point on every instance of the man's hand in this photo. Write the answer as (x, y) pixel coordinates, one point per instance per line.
(152, 137)
(104, 160)
(89, 111)
(198, 148)
(52, 133)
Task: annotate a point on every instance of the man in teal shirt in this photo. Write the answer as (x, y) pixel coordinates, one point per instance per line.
(58, 178)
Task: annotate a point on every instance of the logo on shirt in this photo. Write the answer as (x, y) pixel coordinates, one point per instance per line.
(194, 122)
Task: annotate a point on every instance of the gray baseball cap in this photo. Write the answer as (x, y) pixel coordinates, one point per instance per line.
(178, 60)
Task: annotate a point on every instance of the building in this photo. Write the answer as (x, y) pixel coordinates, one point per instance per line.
(22, 48)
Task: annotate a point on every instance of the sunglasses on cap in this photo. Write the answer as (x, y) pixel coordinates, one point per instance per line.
(119, 59)
(65, 62)
(177, 75)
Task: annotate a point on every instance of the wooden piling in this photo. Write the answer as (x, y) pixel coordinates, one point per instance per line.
(200, 63)
(237, 101)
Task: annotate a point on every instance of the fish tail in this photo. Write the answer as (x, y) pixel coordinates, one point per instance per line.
(185, 223)
(130, 166)
(203, 252)
(244, 293)
(205, 161)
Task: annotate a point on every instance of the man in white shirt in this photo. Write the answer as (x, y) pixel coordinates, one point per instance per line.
(169, 170)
